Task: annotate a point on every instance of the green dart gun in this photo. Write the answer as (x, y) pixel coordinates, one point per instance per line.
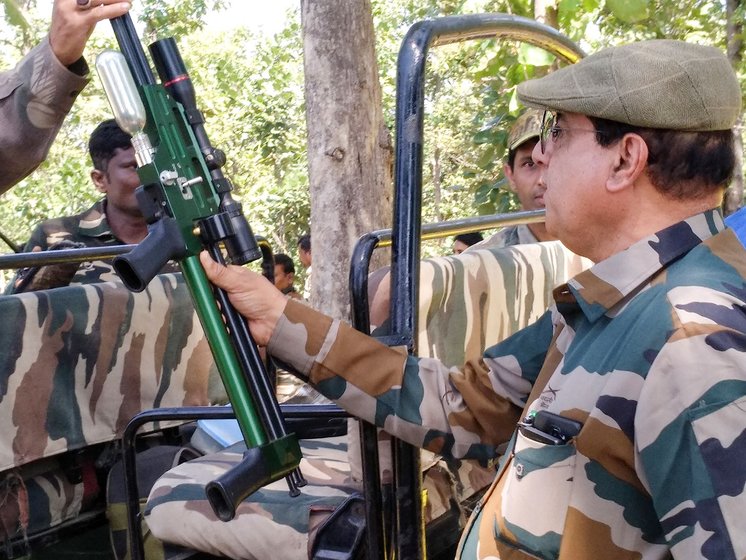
(187, 203)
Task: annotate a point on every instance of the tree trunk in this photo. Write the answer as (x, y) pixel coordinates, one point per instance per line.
(349, 148)
(546, 12)
(734, 30)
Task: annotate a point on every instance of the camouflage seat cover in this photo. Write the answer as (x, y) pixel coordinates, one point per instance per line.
(271, 524)
(275, 524)
(76, 363)
(466, 301)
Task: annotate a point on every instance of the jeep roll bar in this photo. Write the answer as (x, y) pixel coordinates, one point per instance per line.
(406, 232)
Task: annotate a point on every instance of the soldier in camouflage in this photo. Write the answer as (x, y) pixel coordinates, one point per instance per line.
(114, 220)
(645, 351)
(39, 92)
(522, 175)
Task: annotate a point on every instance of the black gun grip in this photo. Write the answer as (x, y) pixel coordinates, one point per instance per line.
(259, 466)
(163, 243)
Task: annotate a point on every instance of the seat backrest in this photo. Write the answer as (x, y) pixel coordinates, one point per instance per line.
(470, 301)
(77, 363)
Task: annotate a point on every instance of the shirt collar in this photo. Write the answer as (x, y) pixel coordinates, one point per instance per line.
(93, 223)
(606, 284)
(525, 235)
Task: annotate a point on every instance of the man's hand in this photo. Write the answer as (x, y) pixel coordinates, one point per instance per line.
(72, 25)
(251, 294)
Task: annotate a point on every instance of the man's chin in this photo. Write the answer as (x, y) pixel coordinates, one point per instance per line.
(549, 224)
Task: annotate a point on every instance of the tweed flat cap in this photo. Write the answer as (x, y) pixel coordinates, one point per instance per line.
(655, 84)
(525, 127)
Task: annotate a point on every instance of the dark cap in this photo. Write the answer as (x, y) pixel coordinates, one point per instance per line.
(525, 127)
(653, 84)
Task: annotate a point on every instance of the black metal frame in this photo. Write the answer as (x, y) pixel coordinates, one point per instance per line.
(376, 519)
(134, 520)
(407, 229)
(363, 251)
(85, 254)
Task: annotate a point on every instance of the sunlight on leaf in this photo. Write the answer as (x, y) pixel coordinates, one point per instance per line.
(534, 56)
(14, 14)
(629, 11)
(514, 105)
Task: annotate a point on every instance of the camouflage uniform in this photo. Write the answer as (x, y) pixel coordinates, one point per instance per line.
(463, 301)
(87, 229)
(507, 237)
(658, 468)
(34, 99)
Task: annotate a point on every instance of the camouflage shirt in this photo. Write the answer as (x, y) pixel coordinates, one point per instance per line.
(87, 229)
(34, 99)
(506, 237)
(646, 349)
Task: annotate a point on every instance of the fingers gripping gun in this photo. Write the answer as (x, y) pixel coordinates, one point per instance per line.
(186, 200)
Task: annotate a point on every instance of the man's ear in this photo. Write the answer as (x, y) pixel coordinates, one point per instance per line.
(99, 180)
(630, 160)
(509, 176)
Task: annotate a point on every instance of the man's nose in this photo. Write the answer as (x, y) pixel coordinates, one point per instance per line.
(539, 157)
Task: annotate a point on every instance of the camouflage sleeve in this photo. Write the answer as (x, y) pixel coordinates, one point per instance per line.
(34, 99)
(462, 413)
(690, 431)
(33, 278)
(38, 239)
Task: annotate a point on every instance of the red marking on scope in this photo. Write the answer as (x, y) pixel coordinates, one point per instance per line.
(176, 79)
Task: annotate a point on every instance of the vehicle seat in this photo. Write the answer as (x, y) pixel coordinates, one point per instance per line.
(76, 363)
(466, 302)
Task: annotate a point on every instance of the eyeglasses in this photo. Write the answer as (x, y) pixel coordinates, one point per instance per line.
(549, 129)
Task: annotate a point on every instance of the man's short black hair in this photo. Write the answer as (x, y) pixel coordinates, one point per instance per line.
(681, 164)
(105, 140)
(286, 262)
(469, 239)
(304, 242)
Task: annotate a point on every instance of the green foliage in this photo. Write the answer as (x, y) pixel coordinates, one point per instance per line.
(250, 89)
(14, 14)
(629, 11)
(465, 105)
(23, 29)
(251, 92)
(177, 18)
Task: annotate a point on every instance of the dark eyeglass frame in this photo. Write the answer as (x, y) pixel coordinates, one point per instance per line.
(548, 126)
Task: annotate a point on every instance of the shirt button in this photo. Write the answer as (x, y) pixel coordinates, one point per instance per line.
(519, 470)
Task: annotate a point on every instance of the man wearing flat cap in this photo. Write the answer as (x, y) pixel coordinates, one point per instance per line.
(630, 393)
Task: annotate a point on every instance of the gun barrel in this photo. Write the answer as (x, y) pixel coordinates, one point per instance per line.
(131, 48)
